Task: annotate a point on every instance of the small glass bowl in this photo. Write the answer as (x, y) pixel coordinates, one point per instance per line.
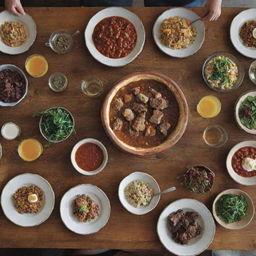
(59, 88)
(92, 87)
(252, 72)
(235, 60)
(223, 136)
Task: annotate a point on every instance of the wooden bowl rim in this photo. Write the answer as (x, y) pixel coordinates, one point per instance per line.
(172, 138)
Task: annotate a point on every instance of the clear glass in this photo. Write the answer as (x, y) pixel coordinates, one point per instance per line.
(61, 87)
(215, 136)
(252, 72)
(92, 87)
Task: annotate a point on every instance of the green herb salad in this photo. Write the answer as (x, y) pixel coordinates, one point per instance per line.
(247, 112)
(231, 208)
(221, 73)
(56, 124)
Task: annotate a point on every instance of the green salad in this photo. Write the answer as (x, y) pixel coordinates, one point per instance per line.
(221, 73)
(56, 124)
(231, 208)
(247, 112)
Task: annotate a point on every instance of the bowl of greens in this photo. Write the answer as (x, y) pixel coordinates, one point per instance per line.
(56, 124)
(245, 112)
(233, 209)
(222, 72)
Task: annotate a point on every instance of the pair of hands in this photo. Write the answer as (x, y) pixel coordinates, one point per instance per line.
(212, 9)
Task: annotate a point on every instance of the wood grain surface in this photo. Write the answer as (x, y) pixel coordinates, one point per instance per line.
(124, 230)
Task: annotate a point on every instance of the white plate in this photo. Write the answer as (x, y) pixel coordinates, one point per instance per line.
(31, 26)
(238, 103)
(240, 179)
(71, 222)
(109, 12)
(73, 158)
(235, 27)
(146, 178)
(27, 220)
(183, 13)
(196, 245)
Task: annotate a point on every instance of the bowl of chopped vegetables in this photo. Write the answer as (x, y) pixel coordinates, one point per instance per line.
(56, 124)
(245, 112)
(222, 72)
(198, 179)
(233, 209)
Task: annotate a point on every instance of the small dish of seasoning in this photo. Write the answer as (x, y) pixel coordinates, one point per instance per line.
(61, 41)
(89, 156)
(58, 82)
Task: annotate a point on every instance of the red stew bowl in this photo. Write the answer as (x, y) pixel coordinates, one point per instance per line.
(176, 132)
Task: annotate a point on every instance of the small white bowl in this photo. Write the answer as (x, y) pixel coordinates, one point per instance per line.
(146, 178)
(245, 220)
(105, 156)
(238, 103)
(248, 181)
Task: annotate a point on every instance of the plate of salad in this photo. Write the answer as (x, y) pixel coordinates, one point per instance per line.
(222, 72)
(245, 112)
(233, 209)
(56, 124)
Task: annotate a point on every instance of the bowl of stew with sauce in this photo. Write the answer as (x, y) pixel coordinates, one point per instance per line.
(145, 113)
(89, 156)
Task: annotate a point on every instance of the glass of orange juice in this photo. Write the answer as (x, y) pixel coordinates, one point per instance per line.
(209, 106)
(30, 149)
(36, 65)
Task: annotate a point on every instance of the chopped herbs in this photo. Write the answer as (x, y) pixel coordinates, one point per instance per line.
(198, 179)
(58, 82)
(56, 124)
(247, 112)
(231, 208)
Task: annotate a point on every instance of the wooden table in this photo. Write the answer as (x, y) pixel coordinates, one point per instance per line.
(124, 230)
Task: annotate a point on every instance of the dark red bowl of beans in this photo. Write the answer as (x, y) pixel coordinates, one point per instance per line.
(13, 85)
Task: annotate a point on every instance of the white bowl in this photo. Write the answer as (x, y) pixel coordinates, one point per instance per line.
(183, 13)
(199, 243)
(105, 156)
(27, 220)
(238, 103)
(109, 12)
(235, 27)
(17, 69)
(31, 26)
(249, 181)
(71, 222)
(245, 220)
(146, 178)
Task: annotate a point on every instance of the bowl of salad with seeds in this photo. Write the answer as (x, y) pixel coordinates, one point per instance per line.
(222, 72)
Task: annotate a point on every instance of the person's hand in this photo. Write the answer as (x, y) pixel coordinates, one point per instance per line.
(212, 10)
(14, 6)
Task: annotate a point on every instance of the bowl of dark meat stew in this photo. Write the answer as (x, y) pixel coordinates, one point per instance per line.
(145, 113)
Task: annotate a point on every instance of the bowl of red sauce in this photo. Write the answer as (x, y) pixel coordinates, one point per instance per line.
(89, 156)
(241, 163)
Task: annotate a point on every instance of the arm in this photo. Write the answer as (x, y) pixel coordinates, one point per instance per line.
(14, 6)
(212, 10)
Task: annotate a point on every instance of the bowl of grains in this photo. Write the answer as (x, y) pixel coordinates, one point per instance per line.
(61, 41)
(27, 200)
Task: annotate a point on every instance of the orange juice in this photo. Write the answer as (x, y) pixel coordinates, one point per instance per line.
(30, 149)
(209, 106)
(36, 65)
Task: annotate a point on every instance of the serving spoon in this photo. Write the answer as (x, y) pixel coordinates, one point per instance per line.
(194, 21)
(165, 191)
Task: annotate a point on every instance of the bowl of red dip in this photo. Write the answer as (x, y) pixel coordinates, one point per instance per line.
(89, 156)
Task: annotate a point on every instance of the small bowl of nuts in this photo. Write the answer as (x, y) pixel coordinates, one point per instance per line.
(61, 41)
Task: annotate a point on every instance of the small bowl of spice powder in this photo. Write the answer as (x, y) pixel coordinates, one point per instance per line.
(58, 82)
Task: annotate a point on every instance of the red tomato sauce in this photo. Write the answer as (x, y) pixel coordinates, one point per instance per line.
(238, 158)
(89, 156)
(114, 37)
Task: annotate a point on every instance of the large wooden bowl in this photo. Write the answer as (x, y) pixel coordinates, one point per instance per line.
(174, 136)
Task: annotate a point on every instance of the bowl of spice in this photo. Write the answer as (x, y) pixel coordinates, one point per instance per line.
(58, 82)
(61, 41)
(89, 156)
